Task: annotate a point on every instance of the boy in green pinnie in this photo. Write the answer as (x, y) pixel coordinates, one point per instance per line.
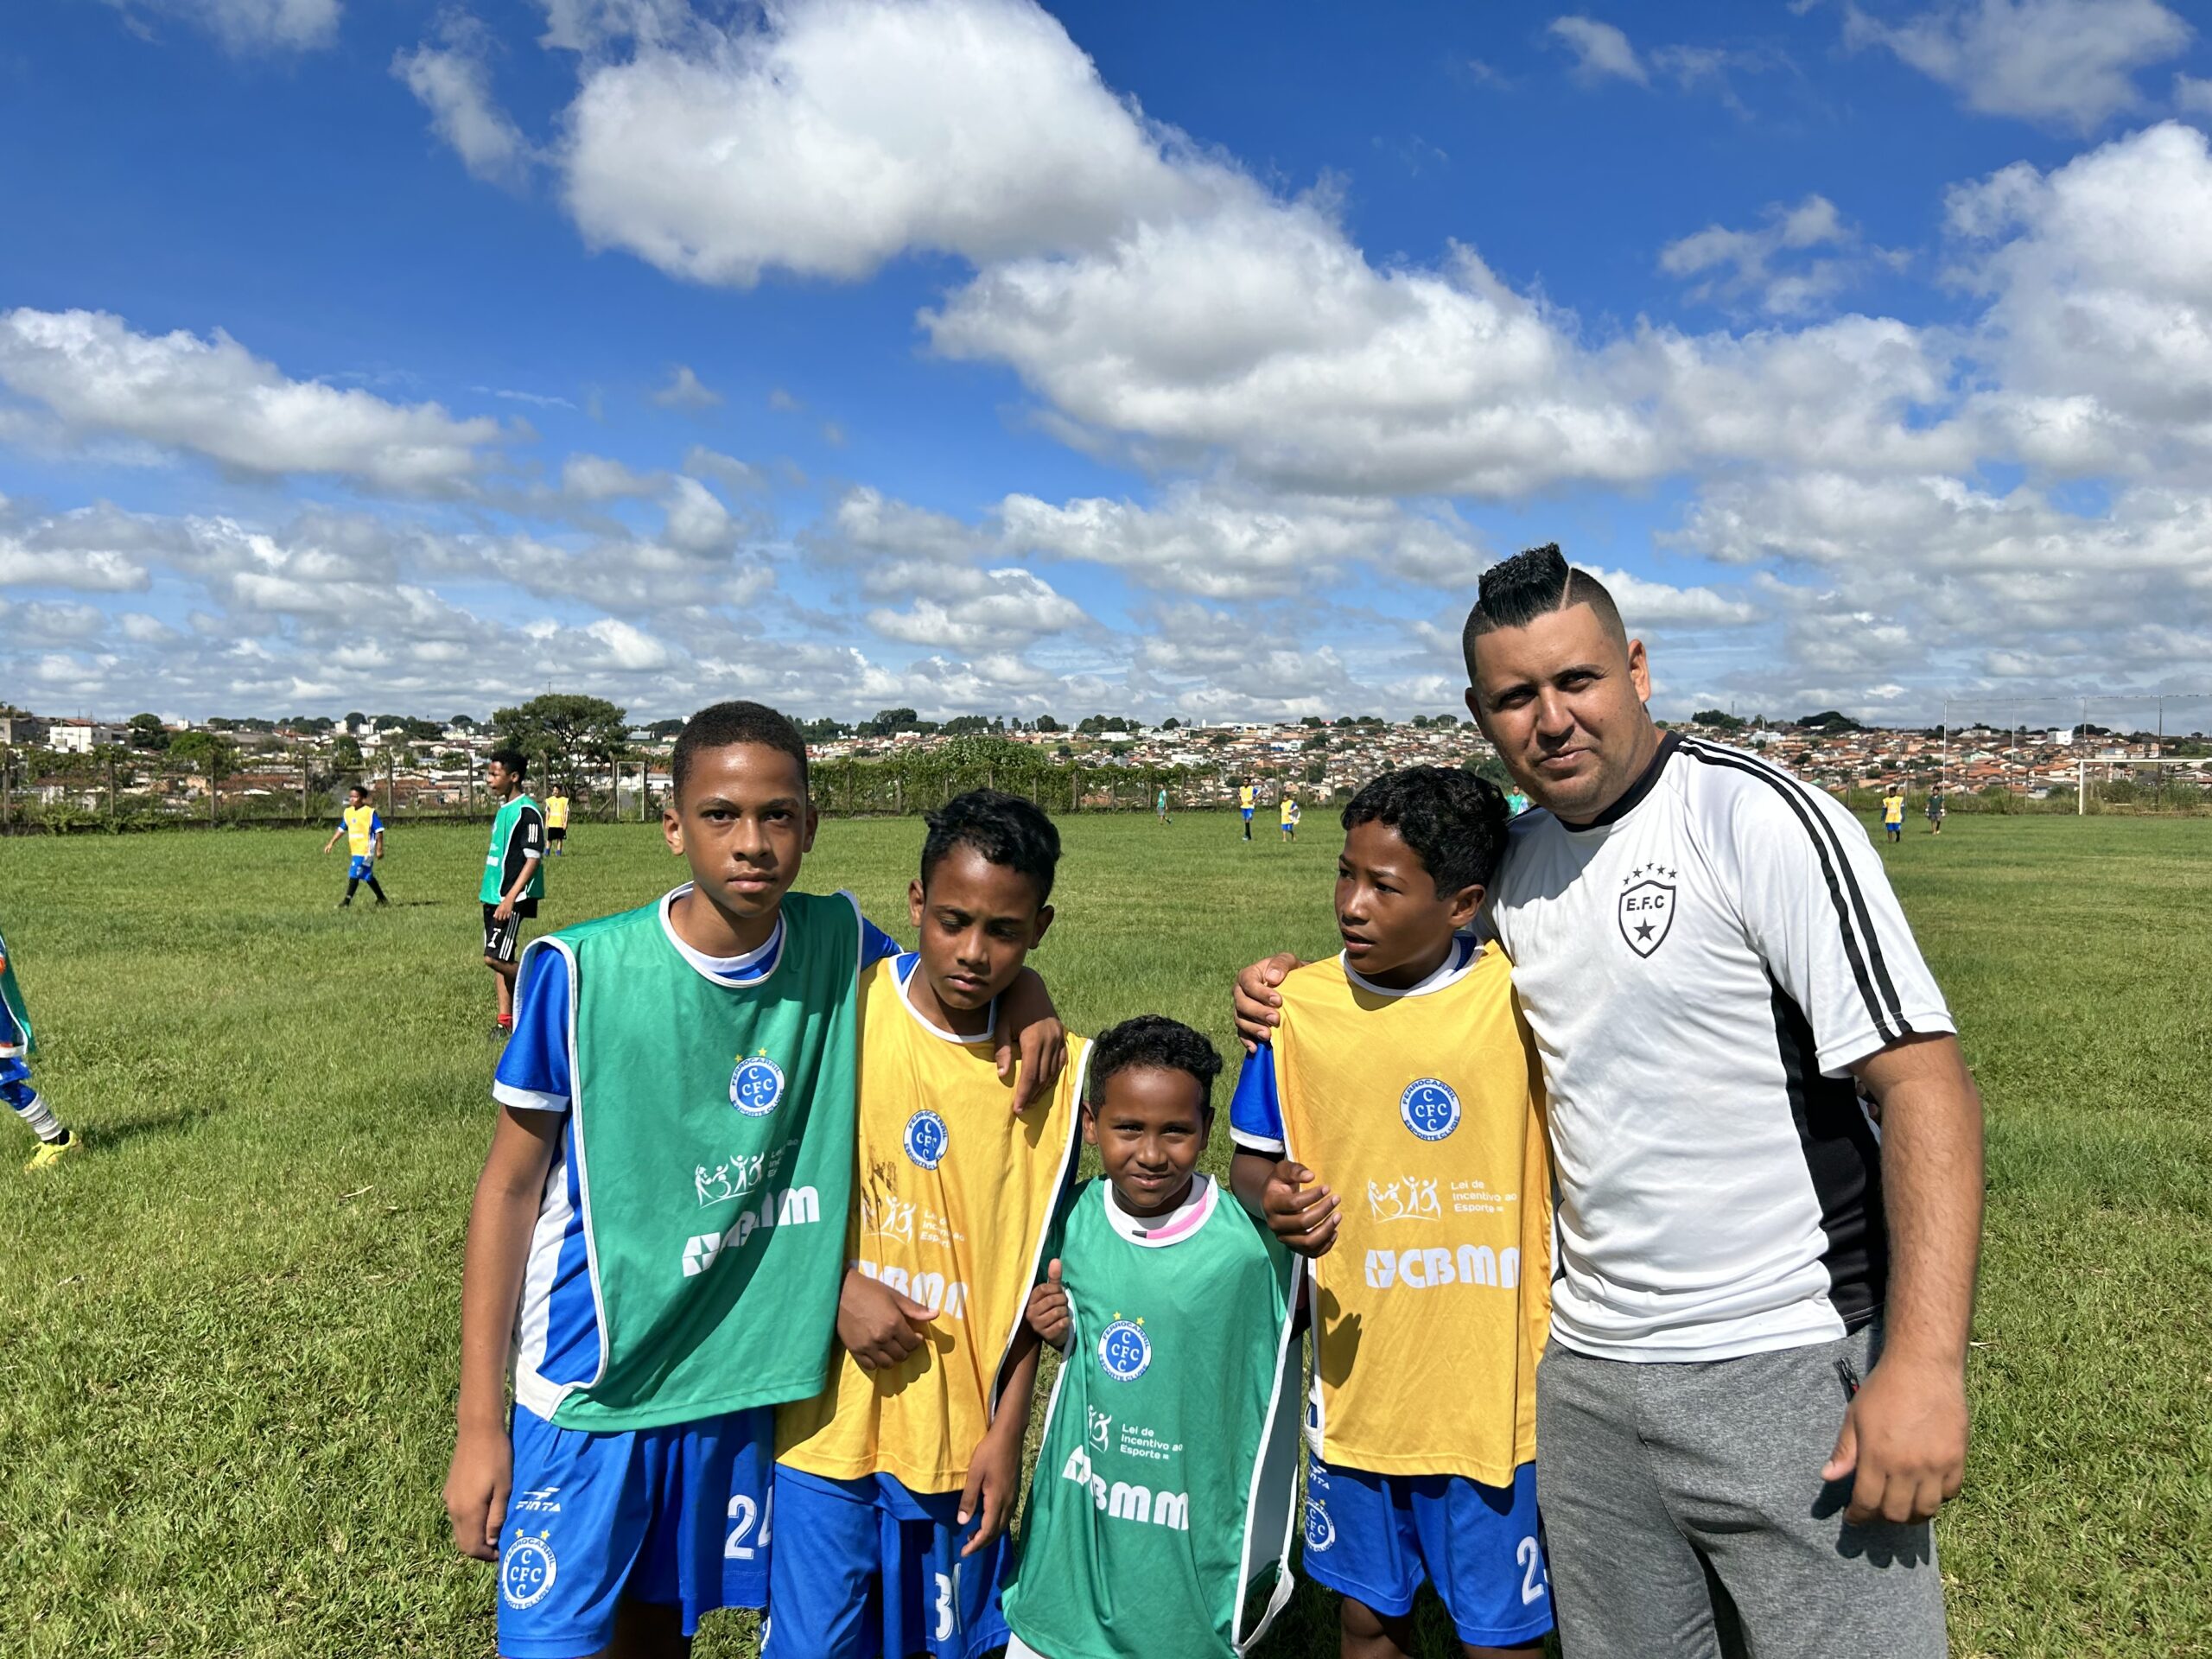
(16, 1047)
(657, 1240)
(1165, 1483)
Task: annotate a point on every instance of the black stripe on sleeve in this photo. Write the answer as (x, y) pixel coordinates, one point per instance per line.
(1883, 1023)
(1873, 937)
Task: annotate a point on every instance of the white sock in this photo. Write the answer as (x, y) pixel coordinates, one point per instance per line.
(41, 1119)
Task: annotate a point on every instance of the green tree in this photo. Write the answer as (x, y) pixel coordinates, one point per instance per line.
(209, 753)
(345, 752)
(147, 732)
(562, 731)
(1490, 766)
(1046, 723)
(1719, 718)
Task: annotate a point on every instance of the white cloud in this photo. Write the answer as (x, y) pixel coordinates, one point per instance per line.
(842, 133)
(1601, 51)
(250, 25)
(596, 478)
(992, 611)
(215, 399)
(454, 82)
(684, 390)
(734, 475)
(1736, 266)
(697, 522)
(2063, 62)
(2193, 95)
(2098, 336)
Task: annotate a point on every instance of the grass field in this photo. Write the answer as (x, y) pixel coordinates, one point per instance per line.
(227, 1331)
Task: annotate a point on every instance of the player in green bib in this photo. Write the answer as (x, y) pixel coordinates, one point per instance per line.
(1166, 1480)
(514, 874)
(658, 1239)
(16, 1047)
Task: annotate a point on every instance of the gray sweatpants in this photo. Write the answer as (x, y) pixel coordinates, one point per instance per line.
(1685, 1514)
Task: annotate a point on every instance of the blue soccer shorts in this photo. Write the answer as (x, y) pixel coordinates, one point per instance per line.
(361, 868)
(677, 1516)
(1376, 1537)
(871, 1571)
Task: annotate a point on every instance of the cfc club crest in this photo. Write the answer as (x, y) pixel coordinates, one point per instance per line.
(1124, 1351)
(1320, 1531)
(926, 1139)
(1430, 1107)
(1647, 907)
(756, 1088)
(526, 1570)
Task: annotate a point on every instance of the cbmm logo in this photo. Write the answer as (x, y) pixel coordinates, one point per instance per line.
(1647, 908)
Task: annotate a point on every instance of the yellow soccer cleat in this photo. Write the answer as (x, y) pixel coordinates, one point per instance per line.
(51, 1152)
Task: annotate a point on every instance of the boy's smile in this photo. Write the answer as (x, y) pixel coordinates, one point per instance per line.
(743, 824)
(1396, 927)
(1149, 1129)
(978, 921)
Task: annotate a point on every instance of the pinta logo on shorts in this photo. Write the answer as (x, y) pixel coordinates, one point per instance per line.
(756, 1088)
(1430, 1107)
(926, 1139)
(526, 1570)
(1124, 1351)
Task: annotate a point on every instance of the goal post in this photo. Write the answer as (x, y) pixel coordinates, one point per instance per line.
(2120, 763)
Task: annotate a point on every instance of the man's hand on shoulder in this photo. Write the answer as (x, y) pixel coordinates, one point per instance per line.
(879, 1327)
(1903, 1441)
(1255, 998)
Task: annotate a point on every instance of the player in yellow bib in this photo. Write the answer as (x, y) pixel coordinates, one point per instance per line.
(1393, 1132)
(364, 833)
(893, 1486)
(1246, 796)
(556, 824)
(1893, 811)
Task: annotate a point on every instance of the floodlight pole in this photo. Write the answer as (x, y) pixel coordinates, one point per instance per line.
(2081, 764)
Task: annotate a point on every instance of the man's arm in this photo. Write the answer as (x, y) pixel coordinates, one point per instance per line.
(1905, 1433)
(501, 1222)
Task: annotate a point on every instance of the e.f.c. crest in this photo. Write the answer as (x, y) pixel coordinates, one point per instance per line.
(1647, 907)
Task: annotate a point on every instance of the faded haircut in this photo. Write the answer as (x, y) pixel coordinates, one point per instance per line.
(1514, 592)
(722, 725)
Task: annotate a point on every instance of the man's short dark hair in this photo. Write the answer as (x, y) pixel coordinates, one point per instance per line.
(720, 725)
(1005, 828)
(1454, 821)
(1154, 1040)
(1514, 592)
(513, 760)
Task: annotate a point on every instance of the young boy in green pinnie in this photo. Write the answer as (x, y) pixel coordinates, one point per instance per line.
(658, 1239)
(1166, 1478)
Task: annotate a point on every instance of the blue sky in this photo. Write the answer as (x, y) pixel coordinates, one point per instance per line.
(1133, 358)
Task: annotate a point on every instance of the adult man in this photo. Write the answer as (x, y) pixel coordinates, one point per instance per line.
(514, 874)
(1753, 1280)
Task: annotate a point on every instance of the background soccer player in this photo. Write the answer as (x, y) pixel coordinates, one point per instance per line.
(364, 831)
(16, 1047)
(1893, 812)
(514, 874)
(1246, 795)
(556, 821)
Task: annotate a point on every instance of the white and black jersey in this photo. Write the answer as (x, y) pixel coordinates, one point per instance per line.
(1702, 967)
